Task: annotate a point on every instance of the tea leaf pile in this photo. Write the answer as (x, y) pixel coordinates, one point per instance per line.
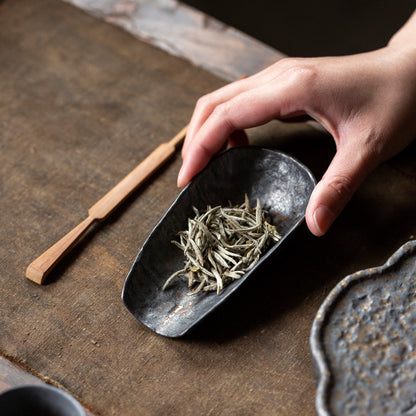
(222, 244)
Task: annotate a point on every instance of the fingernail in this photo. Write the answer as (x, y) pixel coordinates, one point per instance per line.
(180, 178)
(323, 217)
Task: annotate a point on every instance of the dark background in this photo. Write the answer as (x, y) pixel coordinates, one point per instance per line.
(323, 27)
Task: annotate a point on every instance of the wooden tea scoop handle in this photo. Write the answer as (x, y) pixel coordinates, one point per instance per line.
(39, 268)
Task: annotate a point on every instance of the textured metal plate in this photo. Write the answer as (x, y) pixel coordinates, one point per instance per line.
(363, 341)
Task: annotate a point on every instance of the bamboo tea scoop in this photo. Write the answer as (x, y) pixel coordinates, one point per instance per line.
(39, 268)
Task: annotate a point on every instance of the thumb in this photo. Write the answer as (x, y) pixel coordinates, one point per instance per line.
(346, 172)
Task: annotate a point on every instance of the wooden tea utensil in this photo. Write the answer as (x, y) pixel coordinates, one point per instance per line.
(39, 268)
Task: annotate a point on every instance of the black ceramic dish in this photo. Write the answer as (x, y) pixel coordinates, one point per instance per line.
(283, 186)
(38, 400)
(363, 341)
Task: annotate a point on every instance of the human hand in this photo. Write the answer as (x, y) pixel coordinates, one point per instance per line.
(367, 102)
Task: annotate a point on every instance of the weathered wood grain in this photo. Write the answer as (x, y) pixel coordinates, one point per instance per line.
(12, 376)
(186, 32)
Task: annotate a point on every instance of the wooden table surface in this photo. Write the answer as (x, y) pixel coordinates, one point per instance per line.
(82, 102)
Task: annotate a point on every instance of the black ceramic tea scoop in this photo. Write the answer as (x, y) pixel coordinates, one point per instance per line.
(283, 186)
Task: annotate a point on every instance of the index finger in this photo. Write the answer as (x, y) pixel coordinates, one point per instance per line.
(248, 109)
(206, 105)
